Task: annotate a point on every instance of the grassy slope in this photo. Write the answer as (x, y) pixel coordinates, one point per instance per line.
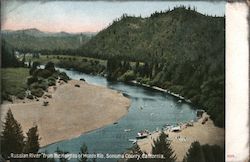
(14, 80)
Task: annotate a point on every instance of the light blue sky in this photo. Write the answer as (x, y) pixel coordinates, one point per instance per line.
(87, 16)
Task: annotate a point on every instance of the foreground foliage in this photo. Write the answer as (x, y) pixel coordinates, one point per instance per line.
(204, 153)
(13, 140)
(13, 82)
(160, 146)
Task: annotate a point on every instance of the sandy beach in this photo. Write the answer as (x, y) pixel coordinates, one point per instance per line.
(180, 141)
(71, 111)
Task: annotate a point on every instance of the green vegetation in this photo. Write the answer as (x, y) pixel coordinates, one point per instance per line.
(83, 151)
(204, 153)
(8, 56)
(41, 79)
(14, 82)
(32, 144)
(34, 40)
(160, 146)
(12, 138)
(179, 35)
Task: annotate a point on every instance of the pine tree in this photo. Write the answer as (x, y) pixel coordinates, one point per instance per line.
(62, 153)
(32, 143)
(162, 146)
(84, 150)
(195, 153)
(136, 150)
(12, 136)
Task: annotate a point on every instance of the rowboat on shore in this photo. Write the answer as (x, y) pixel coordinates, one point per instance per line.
(143, 134)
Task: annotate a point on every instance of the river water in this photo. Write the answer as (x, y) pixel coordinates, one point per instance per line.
(150, 109)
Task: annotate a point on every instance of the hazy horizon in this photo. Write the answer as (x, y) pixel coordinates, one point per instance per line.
(86, 16)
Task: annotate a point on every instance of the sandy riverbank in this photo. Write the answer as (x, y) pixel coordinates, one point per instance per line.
(71, 111)
(204, 133)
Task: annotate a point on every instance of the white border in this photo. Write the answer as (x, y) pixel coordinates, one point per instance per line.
(237, 81)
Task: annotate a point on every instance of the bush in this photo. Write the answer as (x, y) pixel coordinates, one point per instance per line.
(50, 66)
(51, 82)
(63, 76)
(54, 76)
(204, 153)
(127, 76)
(37, 92)
(144, 80)
(21, 95)
(6, 96)
(42, 73)
(176, 89)
(40, 84)
(30, 97)
(31, 80)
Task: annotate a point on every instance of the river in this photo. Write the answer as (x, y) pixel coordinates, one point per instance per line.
(150, 109)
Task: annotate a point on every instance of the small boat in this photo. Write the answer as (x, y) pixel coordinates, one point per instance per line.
(133, 140)
(167, 125)
(127, 130)
(143, 134)
(176, 129)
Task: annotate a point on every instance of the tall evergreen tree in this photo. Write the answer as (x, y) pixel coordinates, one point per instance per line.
(12, 140)
(195, 153)
(8, 57)
(62, 158)
(32, 144)
(136, 150)
(162, 146)
(84, 150)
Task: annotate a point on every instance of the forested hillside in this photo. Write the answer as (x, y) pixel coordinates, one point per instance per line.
(180, 50)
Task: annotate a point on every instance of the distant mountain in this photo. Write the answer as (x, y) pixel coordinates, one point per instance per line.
(34, 39)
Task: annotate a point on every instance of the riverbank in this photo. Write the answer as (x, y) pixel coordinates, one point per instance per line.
(162, 90)
(181, 141)
(74, 108)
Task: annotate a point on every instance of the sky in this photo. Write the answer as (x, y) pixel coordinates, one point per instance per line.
(86, 16)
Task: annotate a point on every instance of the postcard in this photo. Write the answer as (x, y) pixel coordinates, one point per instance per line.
(121, 81)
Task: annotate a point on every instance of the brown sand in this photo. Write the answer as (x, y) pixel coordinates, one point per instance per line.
(204, 133)
(71, 111)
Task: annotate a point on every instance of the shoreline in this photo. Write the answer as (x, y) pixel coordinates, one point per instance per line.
(71, 112)
(161, 90)
(181, 141)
